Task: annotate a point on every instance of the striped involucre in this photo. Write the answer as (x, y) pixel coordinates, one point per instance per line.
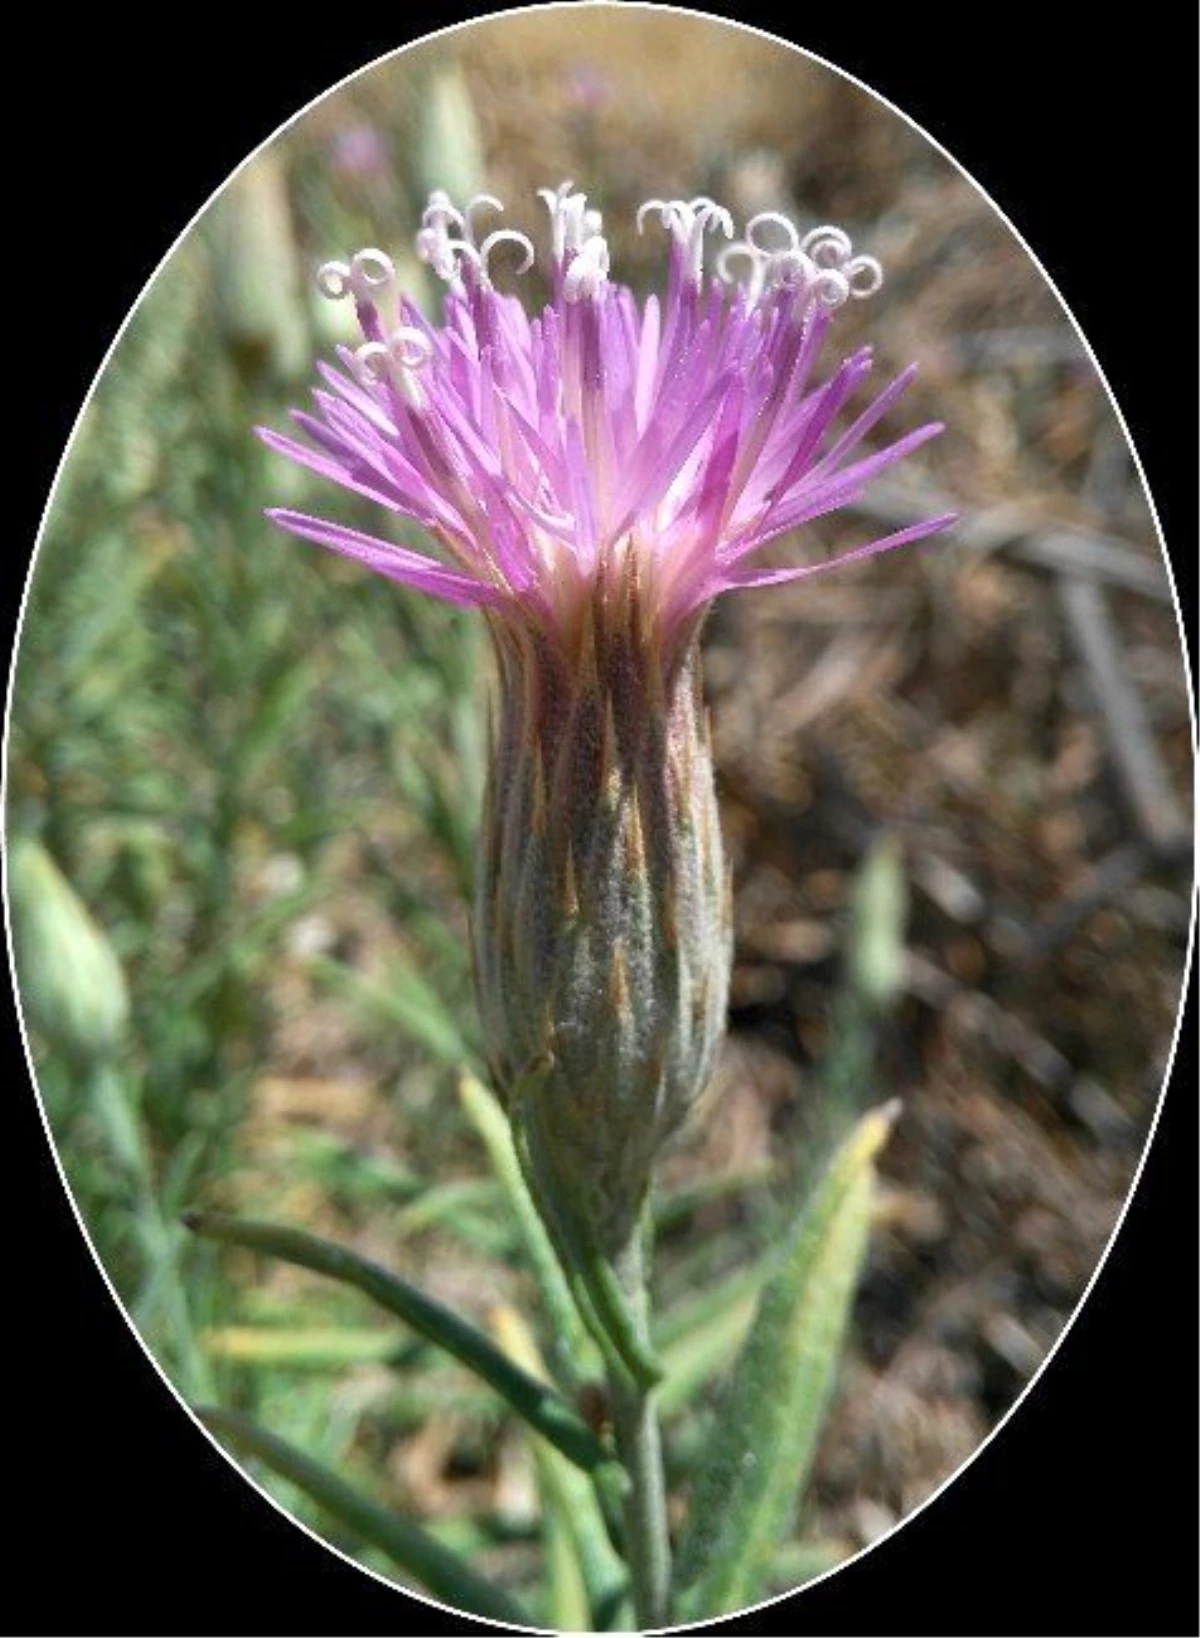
(602, 927)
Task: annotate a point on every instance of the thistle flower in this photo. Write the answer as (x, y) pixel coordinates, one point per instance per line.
(595, 477)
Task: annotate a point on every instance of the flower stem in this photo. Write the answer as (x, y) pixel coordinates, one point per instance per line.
(639, 1445)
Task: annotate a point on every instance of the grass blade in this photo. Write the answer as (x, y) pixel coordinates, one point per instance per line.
(411, 1549)
(302, 1348)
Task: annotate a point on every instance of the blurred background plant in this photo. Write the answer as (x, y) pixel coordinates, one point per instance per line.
(244, 781)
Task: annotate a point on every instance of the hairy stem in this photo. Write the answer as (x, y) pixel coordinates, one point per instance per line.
(639, 1445)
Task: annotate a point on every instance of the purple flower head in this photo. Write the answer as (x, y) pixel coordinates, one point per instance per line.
(594, 477)
(606, 441)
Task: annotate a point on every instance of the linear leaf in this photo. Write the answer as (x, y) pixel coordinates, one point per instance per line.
(300, 1348)
(411, 1549)
(766, 1431)
(543, 1408)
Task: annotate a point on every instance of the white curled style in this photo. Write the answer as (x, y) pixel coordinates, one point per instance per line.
(662, 206)
(864, 274)
(434, 241)
(506, 236)
(790, 272)
(372, 363)
(830, 287)
(396, 362)
(706, 218)
(828, 246)
(588, 270)
(773, 218)
(571, 222)
(440, 212)
(445, 255)
(333, 280)
(555, 196)
(794, 272)
(433, 248)
(831, 249)
(764, 268)
(570, 225)
(728, 253)
(478, 201)
(367, 275)
(371, 274)
(771, 265)
(689, 220)
(818, 267)
(409, 347)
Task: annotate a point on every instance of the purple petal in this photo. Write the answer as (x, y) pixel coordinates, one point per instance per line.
(396, 562)
(903, 537)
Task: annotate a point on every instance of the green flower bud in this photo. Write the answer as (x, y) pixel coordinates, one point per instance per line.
(71, 982)
(257, 273)
(602, 929)
(449, 146)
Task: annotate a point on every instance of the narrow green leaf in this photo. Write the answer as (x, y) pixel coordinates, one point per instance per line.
(766, 1432)
(411, 1549)
(543, 1408)
(300, 1348)
(566, 1596)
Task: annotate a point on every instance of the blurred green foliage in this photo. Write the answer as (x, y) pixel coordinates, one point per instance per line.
(212, 734)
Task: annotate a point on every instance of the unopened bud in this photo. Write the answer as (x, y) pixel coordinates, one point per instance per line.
(71, 982)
